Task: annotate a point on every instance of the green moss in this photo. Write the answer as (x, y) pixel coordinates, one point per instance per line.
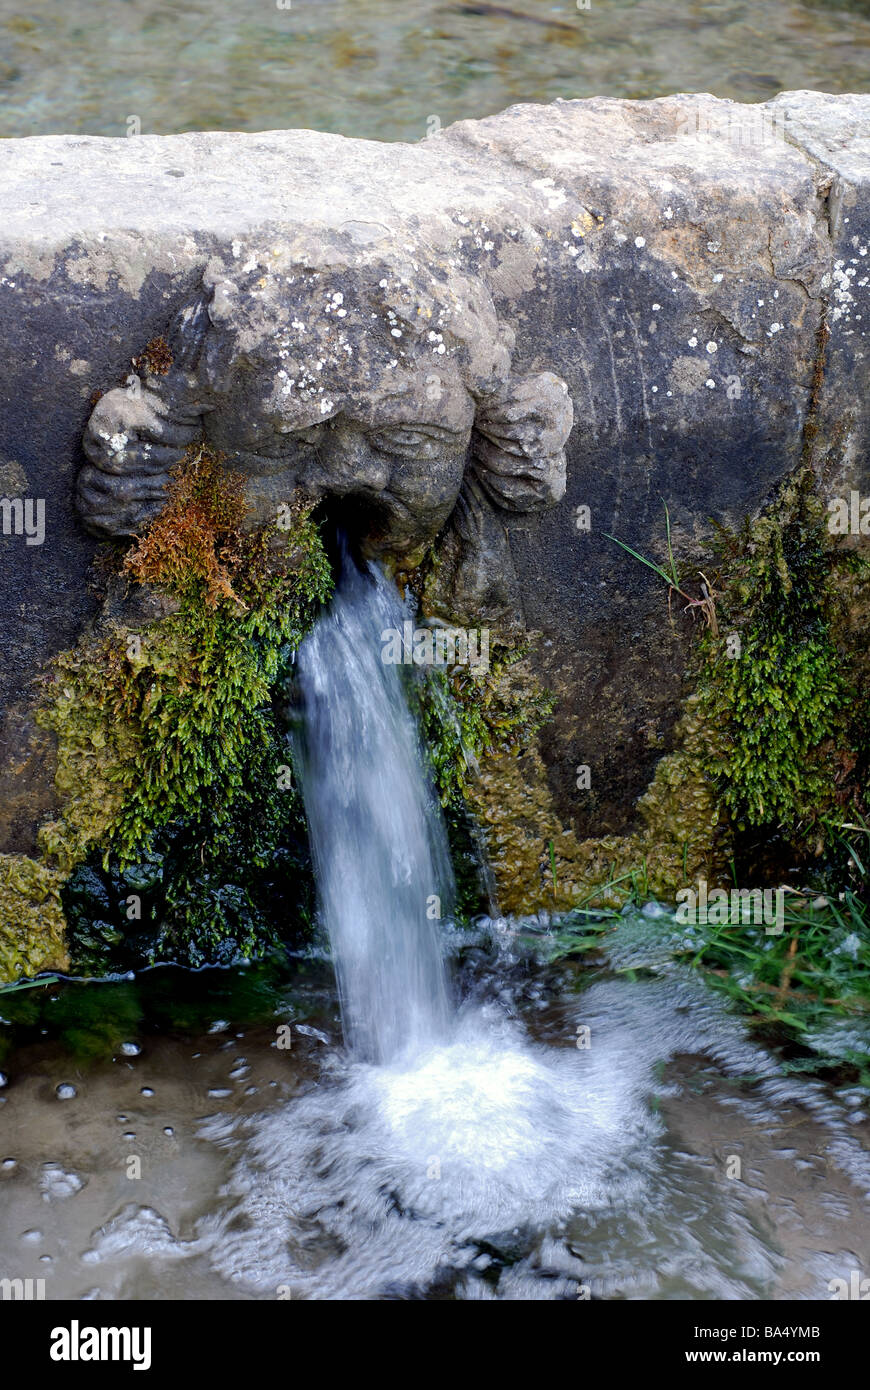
(31, 918)
(772, 749)
(770, 764)
(466, 714)
(159, 726)
(776, 683)
(169, 749)
(97, 749)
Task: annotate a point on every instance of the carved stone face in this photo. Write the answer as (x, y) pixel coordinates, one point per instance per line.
(386, 384)
(400, 451)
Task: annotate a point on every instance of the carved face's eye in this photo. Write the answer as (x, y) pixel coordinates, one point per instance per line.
(411, 441)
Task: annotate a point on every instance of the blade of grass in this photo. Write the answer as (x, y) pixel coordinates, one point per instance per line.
(30, 984)
(650, 564)
(674, 580)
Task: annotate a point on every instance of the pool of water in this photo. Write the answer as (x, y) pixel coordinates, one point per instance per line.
(189, 1154)
(394, 72)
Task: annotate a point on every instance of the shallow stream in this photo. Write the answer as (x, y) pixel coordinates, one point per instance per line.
(385, 71)
(509, 1163)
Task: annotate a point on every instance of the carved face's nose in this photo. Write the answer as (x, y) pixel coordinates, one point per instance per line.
(347, 462)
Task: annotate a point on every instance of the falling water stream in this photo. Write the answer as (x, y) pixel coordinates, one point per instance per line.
(499, 1122)
(379, 845)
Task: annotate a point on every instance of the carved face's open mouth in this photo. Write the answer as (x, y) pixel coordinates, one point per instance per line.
(364, 524)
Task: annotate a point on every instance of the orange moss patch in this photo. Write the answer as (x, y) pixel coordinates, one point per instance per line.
(196, 538)
(155, 359)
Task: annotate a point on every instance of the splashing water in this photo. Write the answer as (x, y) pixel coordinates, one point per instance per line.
(378, 840)
(454, 1120)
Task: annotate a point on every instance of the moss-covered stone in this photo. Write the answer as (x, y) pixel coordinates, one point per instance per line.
(774, 681)
(773, 736)
(168, 745)
(538, 863)
(467, 713)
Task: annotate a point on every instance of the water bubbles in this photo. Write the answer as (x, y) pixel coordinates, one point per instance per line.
(8, 1164)
(130, 1049)
(146, 1091)
(483, 1134)
(66, 1091)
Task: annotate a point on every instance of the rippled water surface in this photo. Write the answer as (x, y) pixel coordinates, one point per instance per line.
(386, 71)
(506, 1163)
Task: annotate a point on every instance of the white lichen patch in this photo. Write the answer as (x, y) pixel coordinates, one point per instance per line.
(554, 196)
(842, 292)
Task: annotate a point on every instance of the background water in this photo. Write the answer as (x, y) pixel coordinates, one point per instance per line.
(386, 71)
